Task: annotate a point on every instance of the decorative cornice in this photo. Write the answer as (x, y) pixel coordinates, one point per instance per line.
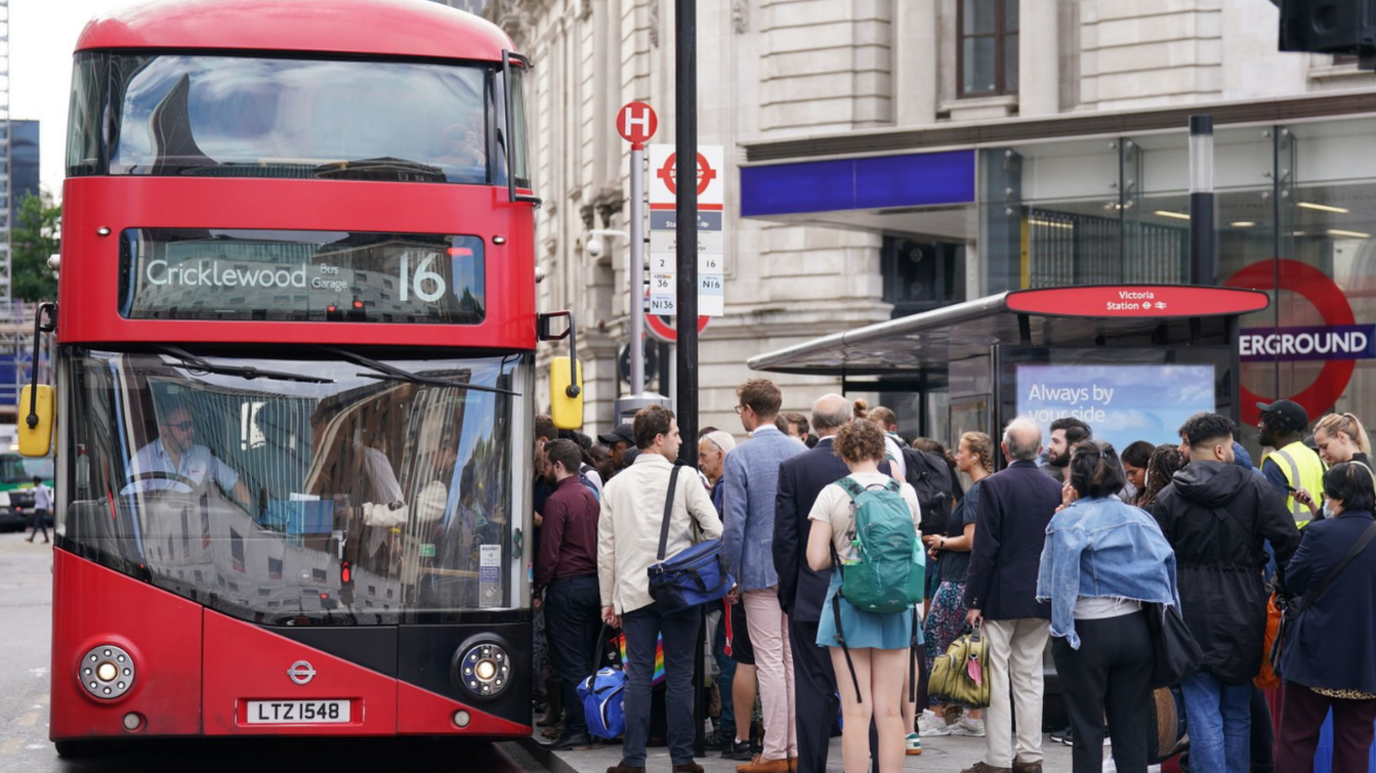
(609, 201)
(654, 23)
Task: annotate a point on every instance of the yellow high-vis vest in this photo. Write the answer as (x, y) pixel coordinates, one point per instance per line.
(1303, 469)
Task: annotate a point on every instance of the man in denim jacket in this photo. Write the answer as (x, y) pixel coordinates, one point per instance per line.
(751, 483)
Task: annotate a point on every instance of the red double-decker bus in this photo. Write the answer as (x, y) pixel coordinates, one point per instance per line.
(295, 346)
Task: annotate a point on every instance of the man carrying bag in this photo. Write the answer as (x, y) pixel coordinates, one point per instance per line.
(628, 544)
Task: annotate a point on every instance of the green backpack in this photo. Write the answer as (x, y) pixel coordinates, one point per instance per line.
(887, 578)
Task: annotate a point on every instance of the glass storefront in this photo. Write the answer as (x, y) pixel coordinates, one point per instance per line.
(1296, 210)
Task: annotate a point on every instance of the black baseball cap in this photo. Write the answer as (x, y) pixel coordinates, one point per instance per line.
(622, 434)
(1285, 414)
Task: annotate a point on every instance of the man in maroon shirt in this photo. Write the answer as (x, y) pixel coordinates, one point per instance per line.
(566, 568)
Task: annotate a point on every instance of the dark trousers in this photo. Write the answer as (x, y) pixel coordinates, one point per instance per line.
(39, 520)
(1109, 675)
(680, 629)
(814, 696)
(1302, 712)
(1263, 737)
(726, 721)
(573, 610)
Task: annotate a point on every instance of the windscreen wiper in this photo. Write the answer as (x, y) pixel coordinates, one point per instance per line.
(393, 373)
(199, 364)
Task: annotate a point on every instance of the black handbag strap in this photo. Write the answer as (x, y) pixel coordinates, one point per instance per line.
(668, 511)
(1352, 552)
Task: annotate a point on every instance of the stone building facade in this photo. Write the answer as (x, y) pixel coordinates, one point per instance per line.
(776, 70)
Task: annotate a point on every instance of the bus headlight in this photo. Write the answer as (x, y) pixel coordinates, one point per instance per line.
(107, 671)
(485, 670)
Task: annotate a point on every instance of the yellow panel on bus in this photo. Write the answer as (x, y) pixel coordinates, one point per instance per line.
(38, 440)
(566, 410)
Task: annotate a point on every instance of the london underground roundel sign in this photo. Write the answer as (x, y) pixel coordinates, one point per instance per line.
(664, 328)
(1333, 344)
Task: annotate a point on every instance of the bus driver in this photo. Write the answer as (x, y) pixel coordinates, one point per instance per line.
(176, 453)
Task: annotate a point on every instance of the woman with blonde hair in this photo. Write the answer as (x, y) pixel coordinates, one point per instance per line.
(946, 619)
(879, 643)
(1341, 438)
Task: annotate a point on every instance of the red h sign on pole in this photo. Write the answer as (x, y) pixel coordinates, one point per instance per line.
(637, 122)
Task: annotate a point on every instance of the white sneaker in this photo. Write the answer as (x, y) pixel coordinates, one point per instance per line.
(965, 726)
(930, 725)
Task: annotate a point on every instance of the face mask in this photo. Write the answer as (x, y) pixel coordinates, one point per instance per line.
(1328, 509)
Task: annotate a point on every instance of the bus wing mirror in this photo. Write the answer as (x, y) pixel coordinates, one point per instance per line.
(36, 429)
(565, 373)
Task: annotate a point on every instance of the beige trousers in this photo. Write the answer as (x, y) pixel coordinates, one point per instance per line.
(1016, 648)
(774, 667)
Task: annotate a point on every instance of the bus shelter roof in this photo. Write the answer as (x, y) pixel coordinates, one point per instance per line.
(932, 339)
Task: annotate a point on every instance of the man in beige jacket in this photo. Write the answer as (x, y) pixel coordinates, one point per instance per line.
(633, 505)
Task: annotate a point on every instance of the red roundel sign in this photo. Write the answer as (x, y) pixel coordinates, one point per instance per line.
(637, 122)
(1329, 300)
(664, 328)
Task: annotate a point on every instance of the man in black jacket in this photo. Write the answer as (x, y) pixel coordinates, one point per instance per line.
(1216, 515)
(803, 591)
(1015, 506)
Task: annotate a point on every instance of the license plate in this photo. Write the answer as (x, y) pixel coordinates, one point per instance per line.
(297, 712)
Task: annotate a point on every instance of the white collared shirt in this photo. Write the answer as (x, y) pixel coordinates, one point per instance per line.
(194, 465)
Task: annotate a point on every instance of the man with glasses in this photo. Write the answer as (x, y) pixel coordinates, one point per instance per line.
(174, 462)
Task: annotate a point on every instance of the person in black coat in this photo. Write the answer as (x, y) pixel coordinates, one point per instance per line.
(1328, 659)
(803, 591)
(1216, 515)
(1015, 506)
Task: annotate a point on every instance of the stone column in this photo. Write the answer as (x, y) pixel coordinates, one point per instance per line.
(1039, 77)
(915, 62)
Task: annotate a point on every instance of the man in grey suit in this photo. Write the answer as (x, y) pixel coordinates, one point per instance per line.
(751, 483)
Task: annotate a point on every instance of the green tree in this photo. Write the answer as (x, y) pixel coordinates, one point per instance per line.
(35, 237)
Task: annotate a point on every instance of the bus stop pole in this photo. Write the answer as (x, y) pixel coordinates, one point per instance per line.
(686, 227)
(637, 345)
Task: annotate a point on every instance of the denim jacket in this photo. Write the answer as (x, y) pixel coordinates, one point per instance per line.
(1103, 548)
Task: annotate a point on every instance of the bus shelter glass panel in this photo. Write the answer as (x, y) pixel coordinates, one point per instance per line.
(314, 492)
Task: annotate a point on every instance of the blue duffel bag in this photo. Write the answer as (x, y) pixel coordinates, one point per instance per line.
(603, 695)
(692, 577)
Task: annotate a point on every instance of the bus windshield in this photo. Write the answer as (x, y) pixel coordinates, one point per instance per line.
(300, 491)
(230, 116)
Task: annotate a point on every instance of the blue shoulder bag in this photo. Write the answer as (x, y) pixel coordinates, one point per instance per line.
(692, 577)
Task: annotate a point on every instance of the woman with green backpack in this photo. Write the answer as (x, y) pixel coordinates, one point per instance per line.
(868, 523)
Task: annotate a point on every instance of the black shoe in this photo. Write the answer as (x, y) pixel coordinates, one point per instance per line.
(737, 750)
(1063, 736)
(576, 742)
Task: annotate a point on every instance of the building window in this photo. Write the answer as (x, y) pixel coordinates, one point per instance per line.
(988, 41)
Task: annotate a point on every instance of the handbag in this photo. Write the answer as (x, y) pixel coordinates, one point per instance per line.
(1177, 653)
(1290, 613)
(1168, 729)
(961, 675)
(1268, 678)
(603, 694)
(692, 577)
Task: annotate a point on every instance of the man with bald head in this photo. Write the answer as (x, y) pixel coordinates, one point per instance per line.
(1015, 506)
(802, 592)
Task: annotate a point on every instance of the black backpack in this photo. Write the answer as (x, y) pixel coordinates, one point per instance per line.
(930, 477)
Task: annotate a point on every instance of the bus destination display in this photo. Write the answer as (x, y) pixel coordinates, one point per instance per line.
(305, 276)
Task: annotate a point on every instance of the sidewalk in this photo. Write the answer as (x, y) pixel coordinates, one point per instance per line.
(946, 754)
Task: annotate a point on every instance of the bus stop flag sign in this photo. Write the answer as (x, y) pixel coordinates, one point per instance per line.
(663, 224)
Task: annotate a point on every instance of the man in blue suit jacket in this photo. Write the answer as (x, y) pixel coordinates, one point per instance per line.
(1015, 506)
(803, 591)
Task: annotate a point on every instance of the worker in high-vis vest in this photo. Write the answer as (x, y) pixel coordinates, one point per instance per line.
(1293, 465)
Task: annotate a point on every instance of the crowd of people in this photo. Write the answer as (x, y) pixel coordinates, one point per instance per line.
(1072, 545)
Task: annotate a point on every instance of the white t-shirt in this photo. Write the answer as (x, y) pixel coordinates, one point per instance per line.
(833, 506)
(894, 453)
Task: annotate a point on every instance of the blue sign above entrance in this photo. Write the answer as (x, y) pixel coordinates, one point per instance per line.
(915, 180)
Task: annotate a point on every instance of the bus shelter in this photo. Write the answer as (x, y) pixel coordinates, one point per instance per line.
(1132, 361)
